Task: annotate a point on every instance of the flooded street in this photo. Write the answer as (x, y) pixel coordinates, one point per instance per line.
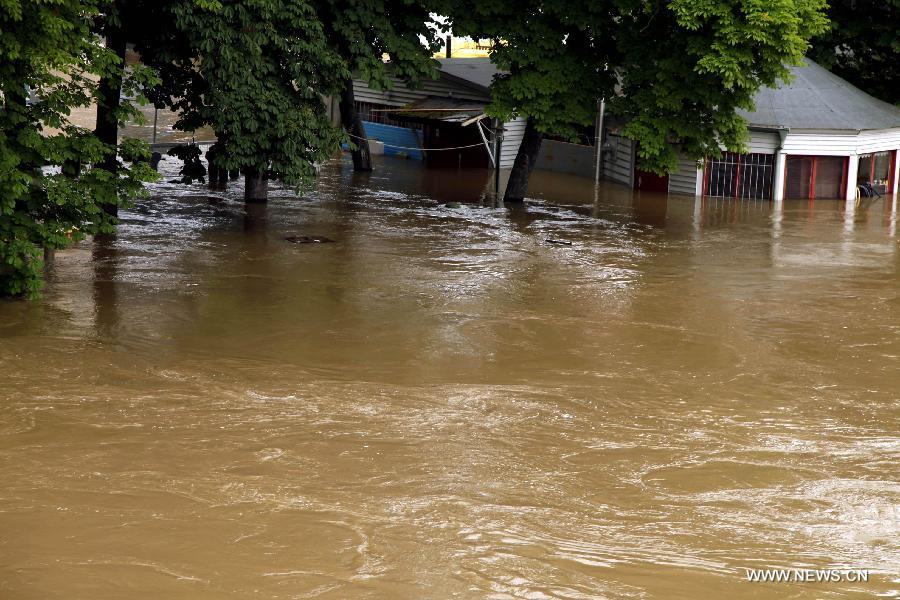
(444, 404)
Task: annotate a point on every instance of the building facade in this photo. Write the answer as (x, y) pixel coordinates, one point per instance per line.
(818, 137)
(390, 116)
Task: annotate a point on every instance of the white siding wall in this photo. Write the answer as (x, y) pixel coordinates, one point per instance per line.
(760, 142)
(684, 179)
(878, 141)
(763, 142)
(835, 144)
(819, 144)
(512, 139)
(401, 95)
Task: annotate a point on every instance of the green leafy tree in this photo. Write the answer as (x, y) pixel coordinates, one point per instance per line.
(49, 63)
(862, 45)
(255, 72)
(365, 33)
(674, 70)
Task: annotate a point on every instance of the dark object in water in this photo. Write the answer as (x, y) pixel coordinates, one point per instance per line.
(193, 168)
(867, 190)
(308, 239)
(154, 160)
(453, 205)
(558, 242)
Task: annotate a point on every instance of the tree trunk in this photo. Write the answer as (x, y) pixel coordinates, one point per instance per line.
(218, 176)
(362, 159)
(525, 160)
(256, 186)
(110, 90)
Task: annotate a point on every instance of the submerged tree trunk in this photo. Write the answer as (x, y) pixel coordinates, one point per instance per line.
(256, 186)
(109, 90)
(362, 159)
(218, 175)
(525, 160)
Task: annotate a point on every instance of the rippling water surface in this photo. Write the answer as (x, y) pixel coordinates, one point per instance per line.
(444, 404)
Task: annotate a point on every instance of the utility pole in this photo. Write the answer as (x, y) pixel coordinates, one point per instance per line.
(598, 139)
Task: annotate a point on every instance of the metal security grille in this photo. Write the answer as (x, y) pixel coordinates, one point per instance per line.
(740, 176)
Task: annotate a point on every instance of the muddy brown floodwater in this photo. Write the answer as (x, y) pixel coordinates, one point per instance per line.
(443, 404)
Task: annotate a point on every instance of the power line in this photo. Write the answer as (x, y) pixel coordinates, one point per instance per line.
(420, 149)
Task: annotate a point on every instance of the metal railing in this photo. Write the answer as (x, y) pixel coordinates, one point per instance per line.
(739, 176)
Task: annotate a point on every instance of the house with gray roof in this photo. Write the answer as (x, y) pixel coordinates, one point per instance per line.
(815, 137)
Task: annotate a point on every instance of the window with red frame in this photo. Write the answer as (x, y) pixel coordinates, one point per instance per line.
(739, 176)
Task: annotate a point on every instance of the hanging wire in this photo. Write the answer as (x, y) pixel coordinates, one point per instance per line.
(420, 149)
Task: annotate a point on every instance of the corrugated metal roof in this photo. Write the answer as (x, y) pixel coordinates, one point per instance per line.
(442, 109)
(819, 99)
(479, 71)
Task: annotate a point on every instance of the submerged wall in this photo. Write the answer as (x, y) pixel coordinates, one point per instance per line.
(563, 157)
(577, 159)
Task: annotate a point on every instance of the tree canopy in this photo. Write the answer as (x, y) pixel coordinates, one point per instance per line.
(675, 70)
(365, 32)
(862, 45)
(49, 64)
(256, 72)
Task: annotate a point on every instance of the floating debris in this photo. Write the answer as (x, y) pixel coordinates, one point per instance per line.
(453, 205)
(558, 242)
(308, 239)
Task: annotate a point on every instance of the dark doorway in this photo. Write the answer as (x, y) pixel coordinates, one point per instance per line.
(650, 182)
(465, 148)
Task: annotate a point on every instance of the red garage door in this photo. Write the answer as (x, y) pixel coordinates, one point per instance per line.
(810, 177)
(650, 182)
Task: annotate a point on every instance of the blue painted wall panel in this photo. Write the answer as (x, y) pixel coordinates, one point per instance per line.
(394, 136)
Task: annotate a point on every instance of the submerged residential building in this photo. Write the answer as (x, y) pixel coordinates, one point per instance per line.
(445, 114)
(817, 137)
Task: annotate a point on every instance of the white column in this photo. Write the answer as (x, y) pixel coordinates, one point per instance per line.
(698, 183)
(698, 213)
(896, 178)
(852, 171)
(778, 184)
(892, 228)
